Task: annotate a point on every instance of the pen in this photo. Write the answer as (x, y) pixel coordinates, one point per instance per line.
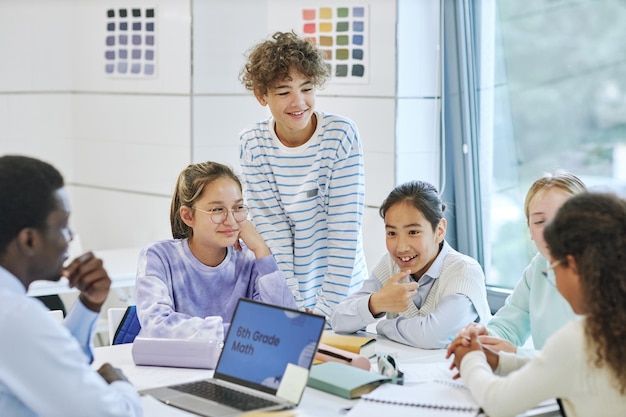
(81, 259)
(85, 257)
(334, 355)
(451, 339)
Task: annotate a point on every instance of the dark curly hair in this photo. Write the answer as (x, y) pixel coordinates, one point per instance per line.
(189, 188)
(27, 187)
(269, 62)
(591, 227)
(421, 195)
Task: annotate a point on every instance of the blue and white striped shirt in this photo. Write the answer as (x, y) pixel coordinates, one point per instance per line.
(307, 202)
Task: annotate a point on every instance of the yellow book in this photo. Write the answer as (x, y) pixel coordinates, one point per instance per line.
(360, 345)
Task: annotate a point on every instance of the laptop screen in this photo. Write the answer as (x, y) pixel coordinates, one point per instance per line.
(262, 340)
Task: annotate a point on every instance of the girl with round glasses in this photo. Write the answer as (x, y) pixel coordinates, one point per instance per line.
(188, 286)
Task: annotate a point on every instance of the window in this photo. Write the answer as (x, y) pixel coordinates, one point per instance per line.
(550, 88)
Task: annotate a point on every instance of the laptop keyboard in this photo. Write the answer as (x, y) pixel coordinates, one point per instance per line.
(224, 395)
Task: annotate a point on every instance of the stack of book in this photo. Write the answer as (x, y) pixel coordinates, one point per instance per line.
(344, 380)
(361, 345)
(343, 366)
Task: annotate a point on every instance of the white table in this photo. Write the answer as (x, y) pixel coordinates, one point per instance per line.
(121, 264)
(314, 403)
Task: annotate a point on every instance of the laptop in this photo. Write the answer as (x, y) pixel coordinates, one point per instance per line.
(264, 364)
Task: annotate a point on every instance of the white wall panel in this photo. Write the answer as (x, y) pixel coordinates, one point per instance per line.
(38, 116)
(422, 166)
(108, 219)
(222, 32)
(217, 119)
(38, 125)
(58, 154)
(139, 119)
(173, 48)
(4, 120)
(224, 155)
(419, 70)
(379, 176)
(417, 125)
(34, 35)
(373, 237)
(131, 167)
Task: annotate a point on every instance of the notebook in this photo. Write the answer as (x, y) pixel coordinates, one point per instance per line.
(434, 398)
(264, 364)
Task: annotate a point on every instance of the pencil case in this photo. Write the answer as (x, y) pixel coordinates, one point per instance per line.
(327, 353)
(179, 353)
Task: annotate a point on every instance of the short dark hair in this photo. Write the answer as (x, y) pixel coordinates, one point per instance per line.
(27, 186)
(421, 195)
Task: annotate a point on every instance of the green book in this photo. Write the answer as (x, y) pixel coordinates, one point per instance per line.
(344, 380)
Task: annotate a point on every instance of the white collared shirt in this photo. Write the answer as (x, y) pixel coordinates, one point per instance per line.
(450, 314)
(44, 370)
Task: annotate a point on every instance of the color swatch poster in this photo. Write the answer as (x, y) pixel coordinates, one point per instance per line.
(342, 33)
(130, 42)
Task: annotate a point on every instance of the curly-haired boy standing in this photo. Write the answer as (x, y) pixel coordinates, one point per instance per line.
(303, 173)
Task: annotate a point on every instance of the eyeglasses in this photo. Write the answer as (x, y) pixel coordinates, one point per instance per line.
(219, 214)
(545, 272)
(551, 266)
(388, 367)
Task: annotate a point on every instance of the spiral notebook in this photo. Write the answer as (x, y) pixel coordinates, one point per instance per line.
(432, 399)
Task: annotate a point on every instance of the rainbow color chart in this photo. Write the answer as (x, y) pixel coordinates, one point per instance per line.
(130, 42)
(342, 33)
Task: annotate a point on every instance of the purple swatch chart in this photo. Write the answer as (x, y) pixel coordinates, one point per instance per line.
(341, 33)
(130, 42)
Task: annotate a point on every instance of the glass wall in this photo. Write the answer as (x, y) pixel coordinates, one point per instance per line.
(551, 88)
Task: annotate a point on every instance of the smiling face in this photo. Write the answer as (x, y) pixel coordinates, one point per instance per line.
(411, 240)
(542, 209)
(209, 239)
(292, 102)
(52, 244)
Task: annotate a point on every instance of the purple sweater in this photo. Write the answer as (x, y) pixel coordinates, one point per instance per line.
(180, 297)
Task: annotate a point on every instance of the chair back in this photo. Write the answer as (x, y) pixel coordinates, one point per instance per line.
(123, 325)
(57, 315)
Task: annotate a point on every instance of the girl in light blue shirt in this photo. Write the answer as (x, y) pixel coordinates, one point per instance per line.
(535, 308)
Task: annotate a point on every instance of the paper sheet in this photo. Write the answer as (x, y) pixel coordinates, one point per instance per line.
(424, 372)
